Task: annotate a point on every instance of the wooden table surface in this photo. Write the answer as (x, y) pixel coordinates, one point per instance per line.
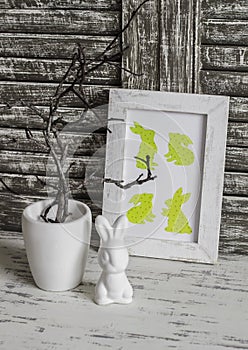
(176, 306)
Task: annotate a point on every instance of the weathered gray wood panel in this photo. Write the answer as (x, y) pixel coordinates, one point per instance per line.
(234, 225)
(33, 59)
(224, 9)
(236, 159)
(224, 58)
(45, 70)
(224, 32)
(236, 184)
(84, 144)
(50, 45)
(60, 21)
(142, 37)
(24, 117)
(238, 109)
(176, 45)
(237, 134)
(15, 162)
(31, 184)
(20, 116)
(224, 63)
(41, 93)
(64, 4)
(224, 83)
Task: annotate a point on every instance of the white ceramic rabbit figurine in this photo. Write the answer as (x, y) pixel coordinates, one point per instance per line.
(113, 285)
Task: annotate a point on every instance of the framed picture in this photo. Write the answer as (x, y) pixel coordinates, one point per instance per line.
(164, 170)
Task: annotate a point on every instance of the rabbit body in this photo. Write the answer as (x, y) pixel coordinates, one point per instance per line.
(113, 288)
(113, 285)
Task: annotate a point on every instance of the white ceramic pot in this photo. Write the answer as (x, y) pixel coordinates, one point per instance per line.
(57, 253)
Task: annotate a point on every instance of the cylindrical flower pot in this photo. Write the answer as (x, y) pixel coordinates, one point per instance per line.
(57, 252)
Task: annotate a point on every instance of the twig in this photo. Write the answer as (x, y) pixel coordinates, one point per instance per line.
(46, 184)
(117, 65)
(138, 181)
(9, 189)
(118, 36)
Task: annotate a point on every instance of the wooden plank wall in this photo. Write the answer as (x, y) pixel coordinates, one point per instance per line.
(201, 47)
(178, 45)
(223, 61)
(37, 41)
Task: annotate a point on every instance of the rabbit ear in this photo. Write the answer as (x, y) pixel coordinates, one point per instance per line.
(103, 227)
(120, 226)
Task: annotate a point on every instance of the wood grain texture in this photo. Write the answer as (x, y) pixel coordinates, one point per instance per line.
(50, 46)
(41, 93)
(233, 235)
(224, 83)
(62, 4)
(18, 116)
(14, 162)
(31, 185)
(236, 184)
(24, 117)
(238, 109)
(224, 9)
(237, 134)
(224, 32)
(224, 58)
(45, 70)
(204, 307)
(176, 45)
(143, 39)
(84, 144)
(59, 21)
(236, 159)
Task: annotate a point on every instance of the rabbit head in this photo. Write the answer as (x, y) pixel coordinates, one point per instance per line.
(113, 254)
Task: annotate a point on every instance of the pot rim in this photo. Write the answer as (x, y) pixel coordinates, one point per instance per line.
(86, 215)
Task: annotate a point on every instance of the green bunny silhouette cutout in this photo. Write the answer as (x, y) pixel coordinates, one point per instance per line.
(178, 149)
(147, 147)
(177, 221)
(142, 210)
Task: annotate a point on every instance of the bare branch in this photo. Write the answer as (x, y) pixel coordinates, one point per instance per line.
(72, 82)
(44, 183)
(35, 109)
(138, 181)
(118, 36)
(8, 188)
(125, 69)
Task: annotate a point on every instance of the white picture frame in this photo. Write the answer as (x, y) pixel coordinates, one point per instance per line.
(211, 113)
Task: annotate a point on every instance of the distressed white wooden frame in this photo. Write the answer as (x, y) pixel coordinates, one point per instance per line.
(216, 110)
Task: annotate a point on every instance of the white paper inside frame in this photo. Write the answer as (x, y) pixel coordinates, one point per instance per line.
(179, 185)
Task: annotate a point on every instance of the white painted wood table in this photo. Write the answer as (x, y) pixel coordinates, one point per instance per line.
(176, 306)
